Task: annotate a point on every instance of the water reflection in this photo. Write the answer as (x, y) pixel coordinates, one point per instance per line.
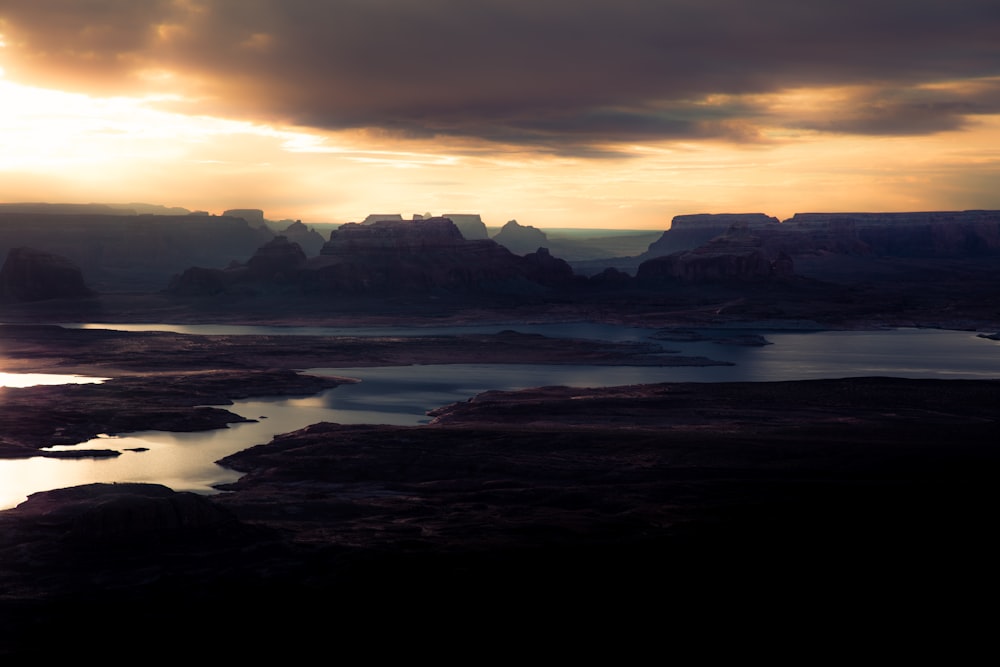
(36, 379)
(401, 395)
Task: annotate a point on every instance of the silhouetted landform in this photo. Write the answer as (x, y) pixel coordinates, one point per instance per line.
(380, 257)
(868, 496)
(521, 239)
(471, 225)
(934, 267)
(306, 237)
(836, 247)
(132, 208)
(428, 253)
(372, 218)
(133, 252)
(737, 255)
(943, 234)
(688, 232)
(33, 275)
(254, 216)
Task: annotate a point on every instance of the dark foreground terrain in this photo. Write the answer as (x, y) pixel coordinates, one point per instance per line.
(733, 517)
(805, 518)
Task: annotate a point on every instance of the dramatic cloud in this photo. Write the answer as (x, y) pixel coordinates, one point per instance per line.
(569, 76)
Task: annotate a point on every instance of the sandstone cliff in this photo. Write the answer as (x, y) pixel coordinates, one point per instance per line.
(470, 224)
(739, 255)
(757, 246)
(917, 234)
(688, 232)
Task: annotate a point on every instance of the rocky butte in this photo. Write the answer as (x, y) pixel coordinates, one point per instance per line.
(691, 231)
(382, 257)
(426, 254)
(35, 275)
(470, 224)
(739, 255)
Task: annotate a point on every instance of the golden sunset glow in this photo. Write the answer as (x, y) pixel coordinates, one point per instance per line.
(142, 117)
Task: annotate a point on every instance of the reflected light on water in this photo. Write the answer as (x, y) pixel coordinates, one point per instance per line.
(401, 395)
(35, 379)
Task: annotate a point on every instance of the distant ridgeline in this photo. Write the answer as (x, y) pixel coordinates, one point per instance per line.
(119, 249)
(704, 245)
(144, 248)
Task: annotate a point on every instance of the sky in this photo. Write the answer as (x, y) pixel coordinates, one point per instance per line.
(556, 113)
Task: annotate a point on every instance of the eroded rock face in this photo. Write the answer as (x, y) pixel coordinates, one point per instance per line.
(385, 256)
(422, 255)
(916, 234)
(691, 231)
(392, 237)
(34, 275)
(741, 254)
(470, 224)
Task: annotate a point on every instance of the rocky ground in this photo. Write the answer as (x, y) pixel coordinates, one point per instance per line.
(684, 514)
(673, 508)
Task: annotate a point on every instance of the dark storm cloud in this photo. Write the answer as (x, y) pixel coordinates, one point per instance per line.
(569, 75)
(912, 111)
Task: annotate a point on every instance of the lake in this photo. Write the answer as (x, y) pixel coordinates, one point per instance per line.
(402, 395)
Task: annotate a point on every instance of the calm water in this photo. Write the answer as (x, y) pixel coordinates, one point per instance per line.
(35, 379)
(402, 395)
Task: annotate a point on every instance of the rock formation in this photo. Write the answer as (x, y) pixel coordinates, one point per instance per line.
(738, 255)
(372, 218)
(688, 232)
(129, 253)
(276, 257)
(918, 234)
(470, 224)
(35, 275)
(696, 248)
(384, 257)
(254, 216)
(275, 264)
(431, 253)
(521, 239)
(308, 239)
